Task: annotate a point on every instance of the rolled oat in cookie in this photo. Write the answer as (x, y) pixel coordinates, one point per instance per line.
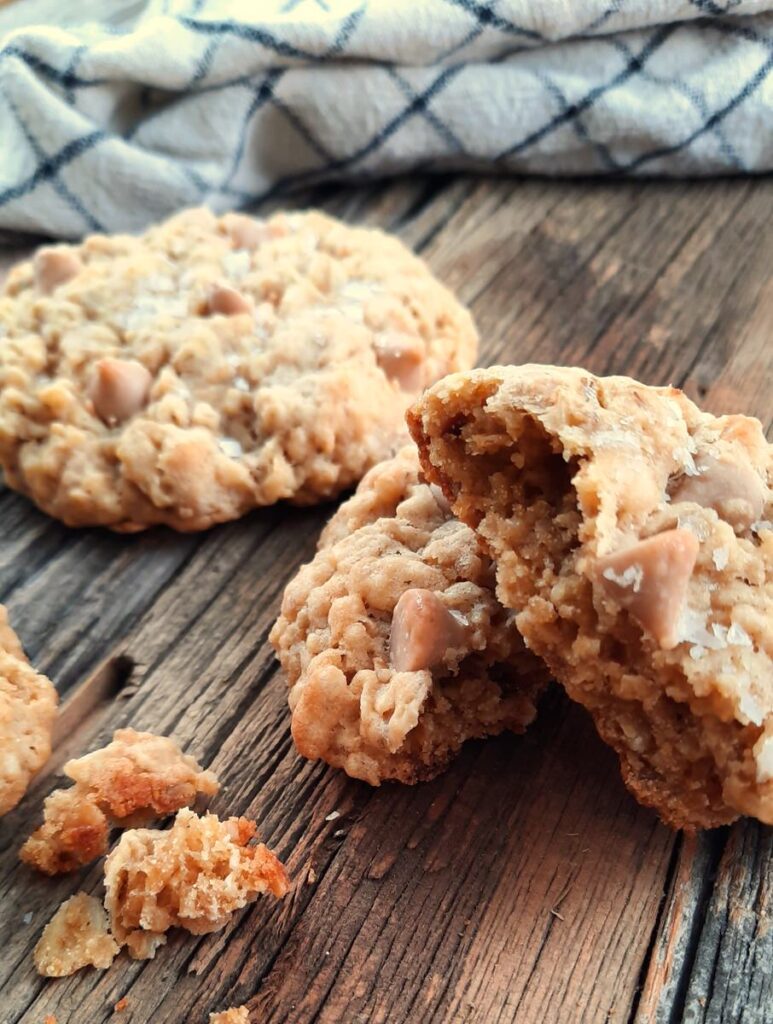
(214, 364)
(394, 645)
(137, 778)
(632, 535)
(193, 876)
(28, 703)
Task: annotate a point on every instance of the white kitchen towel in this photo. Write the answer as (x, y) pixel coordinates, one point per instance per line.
(228, 102)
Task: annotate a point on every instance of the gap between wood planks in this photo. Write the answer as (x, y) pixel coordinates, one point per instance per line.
(435, 902)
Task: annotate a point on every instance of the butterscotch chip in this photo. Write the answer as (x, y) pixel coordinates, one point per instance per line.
(27, 711)
(735, 490)
(119, 389)
(423, 631)
(651, 578)
(620, 520)
(76, 936)
(53, 267)
(228, 301)
(395, 647)
(135, 779)
(236, 1015)
(401, 358)
(214, 364)
(193, 876)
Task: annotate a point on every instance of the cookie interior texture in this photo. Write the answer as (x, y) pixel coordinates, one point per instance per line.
(214, 364)
(28, 703)
(350, 706)
(555, 469)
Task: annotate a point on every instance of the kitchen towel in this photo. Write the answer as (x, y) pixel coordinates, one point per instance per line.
(228, 102)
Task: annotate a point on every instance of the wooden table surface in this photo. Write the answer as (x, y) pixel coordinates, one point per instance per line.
(523, 885)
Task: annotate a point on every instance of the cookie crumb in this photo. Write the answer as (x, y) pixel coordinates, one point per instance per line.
(311, 877)
(121, 1005)
(135, 779)
(76, 936)
(193, 876)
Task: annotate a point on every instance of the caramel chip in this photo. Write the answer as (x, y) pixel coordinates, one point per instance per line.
(732, 489)
(423, 629)
(400, 357)
(119, 389)
(228, 301)
(650, 580)
(54, 267)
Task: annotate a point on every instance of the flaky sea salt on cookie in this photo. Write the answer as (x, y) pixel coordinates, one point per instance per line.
(395, 647)
(632, 536)
(213, 365)
(27, 711)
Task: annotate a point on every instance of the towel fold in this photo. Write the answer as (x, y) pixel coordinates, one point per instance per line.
(228, 103)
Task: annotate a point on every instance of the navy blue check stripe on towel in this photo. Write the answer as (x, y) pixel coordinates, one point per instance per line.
(200, 103)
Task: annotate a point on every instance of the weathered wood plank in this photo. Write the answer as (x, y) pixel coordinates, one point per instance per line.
(523, 884)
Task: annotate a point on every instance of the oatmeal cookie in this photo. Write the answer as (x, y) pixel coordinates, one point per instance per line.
(193, 876)
(76, 936)
(632, 535)
(27, 711)
(135, 779)
(394, 645)
(214, 364)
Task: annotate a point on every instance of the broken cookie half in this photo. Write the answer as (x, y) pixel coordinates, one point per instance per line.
(631, 534)
(395, 647)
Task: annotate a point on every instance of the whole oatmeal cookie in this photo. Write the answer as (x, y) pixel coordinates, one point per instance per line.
(214, 364)
(193, 876)
(632, 533)
(395, 647)
(135, 779)
(76, 936)
(27, 711)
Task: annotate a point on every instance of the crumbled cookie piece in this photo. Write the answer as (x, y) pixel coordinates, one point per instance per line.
(235, 1015)
(74, 832)
(395, 647)
(27, 712)
(193, 876)
(214, 364)
(631, 534)
(76, 936)
(135, 779)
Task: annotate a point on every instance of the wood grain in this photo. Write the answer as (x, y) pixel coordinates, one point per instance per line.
(523, 885)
